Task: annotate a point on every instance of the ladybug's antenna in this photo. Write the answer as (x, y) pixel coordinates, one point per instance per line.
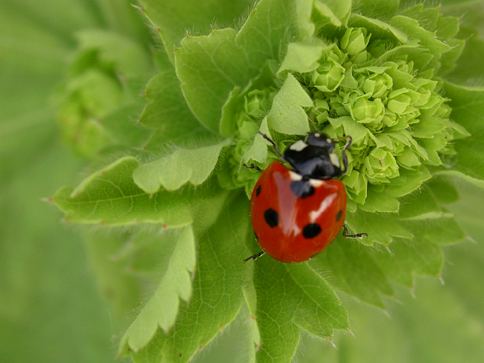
(274, 146)
(348, 143)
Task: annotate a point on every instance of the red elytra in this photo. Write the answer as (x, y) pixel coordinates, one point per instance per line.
(292, 228)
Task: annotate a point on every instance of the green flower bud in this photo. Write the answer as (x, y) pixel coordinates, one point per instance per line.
(256, 103)
(320, 110)
(328, 76)
(380, 166)
(370, 112)
(361, 57)
(337, 106)
(354, 40)
(408, 159)
(356, 186)
(390, 119)
(399, 101)
(91, 96)
(247, 129)
(377, 85)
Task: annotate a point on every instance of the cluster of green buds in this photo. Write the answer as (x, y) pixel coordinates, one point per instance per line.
(395, 113)
(103, 82)
(368, 89)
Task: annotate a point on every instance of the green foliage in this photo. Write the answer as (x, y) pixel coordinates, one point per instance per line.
(175, 284)
(289, 298)
(168, 115)
(167, 178)
(467, 105)
(110, 196)
(287, 115)
(209, 67)
(192, 165)
(217, 295)
(173, 19)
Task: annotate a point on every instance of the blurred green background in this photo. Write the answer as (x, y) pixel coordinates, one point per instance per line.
(50, 307)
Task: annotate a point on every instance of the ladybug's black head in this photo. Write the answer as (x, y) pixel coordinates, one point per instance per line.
(314, 158)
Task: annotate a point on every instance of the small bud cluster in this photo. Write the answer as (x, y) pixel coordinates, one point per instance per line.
(396, 115)
(394, 112)
(92, 92)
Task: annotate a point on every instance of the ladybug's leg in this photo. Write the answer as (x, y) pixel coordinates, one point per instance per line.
(348, 143)
(347, 233)
(252, 166)
(274, 146)
(254, 257)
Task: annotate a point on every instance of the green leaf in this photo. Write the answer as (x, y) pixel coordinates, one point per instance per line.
(424, 201)
(386, 198)
(427, 17)
(217, 294)
(128, 57)
(331, 12)
(350, 266)
(117, 282)
(209, 67)
(422, 57)
(110, 196)
(470, 14)
(406, 258)
(467, 105)
(238, 337)
(287, 115)
(302, 57)
(376, 8)
(173, 19)
(305, 25)
(258, 150)
(182, 166)
(469, 70)
(435, 228)
(340, 8)
(378, 28)
(381, 228)
(412, 28)
(176, 283)
(122, 129)
(290, 297)
(450, 58)
(167, 112)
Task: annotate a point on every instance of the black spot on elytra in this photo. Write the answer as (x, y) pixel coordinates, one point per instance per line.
(271, 217)
(302, 188)
(258, 190)
(311, 230)
(339, 215)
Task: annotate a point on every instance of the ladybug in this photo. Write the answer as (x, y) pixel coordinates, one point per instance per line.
(298, 206)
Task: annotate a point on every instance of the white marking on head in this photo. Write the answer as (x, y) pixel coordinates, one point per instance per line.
(314, 215)
(298, 146)
(295, 176)
(315, 183)
(334, 159)
(317, 135)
